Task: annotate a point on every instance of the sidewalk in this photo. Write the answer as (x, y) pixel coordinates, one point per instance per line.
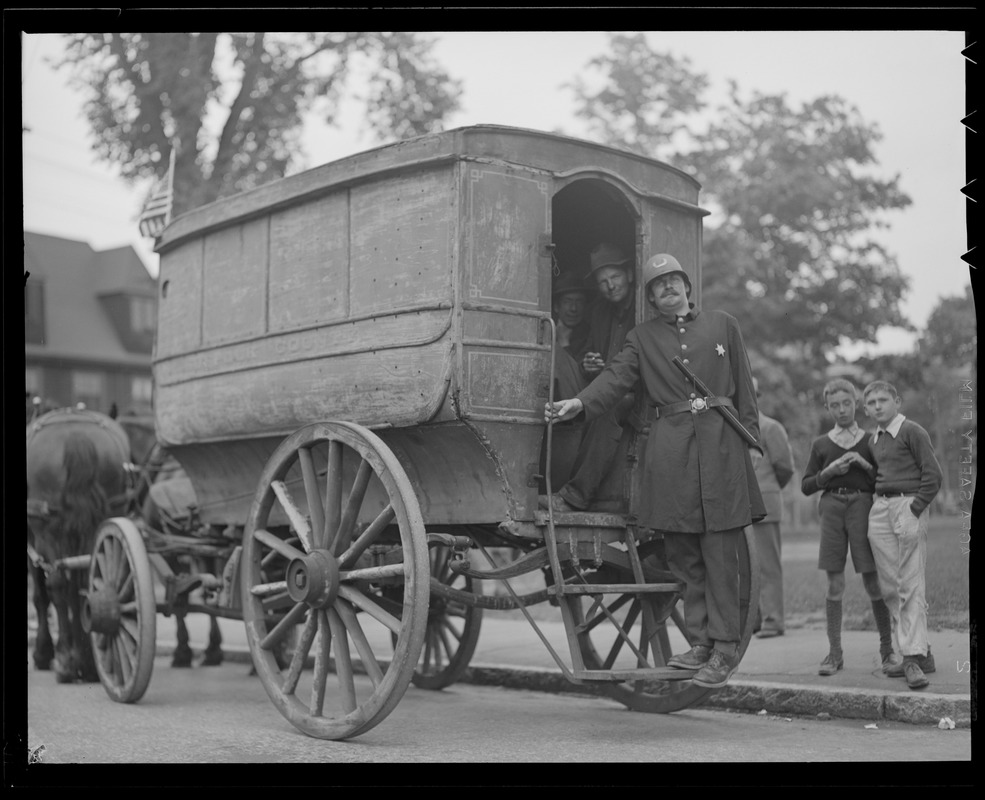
(777, 675)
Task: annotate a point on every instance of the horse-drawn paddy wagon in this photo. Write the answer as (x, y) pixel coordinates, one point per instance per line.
(351, 366)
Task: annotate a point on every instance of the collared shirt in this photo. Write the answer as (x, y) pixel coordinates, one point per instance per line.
(846, 438)
(892, 428)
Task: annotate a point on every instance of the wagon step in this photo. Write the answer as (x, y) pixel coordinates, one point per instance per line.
(640, 673)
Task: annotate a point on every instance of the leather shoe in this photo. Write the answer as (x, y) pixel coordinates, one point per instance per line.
(896, 669)
(716, 672)
(557, 504)
(768, 633)
(830, 665)
(915, 678)
(695, 658)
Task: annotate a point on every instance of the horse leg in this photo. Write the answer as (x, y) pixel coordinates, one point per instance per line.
(182, 652)
(44, 648)
(58, 588)
(213, 653)
(82, 657)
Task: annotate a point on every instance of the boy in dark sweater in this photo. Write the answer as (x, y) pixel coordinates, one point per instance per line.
(908, 477)
(840, 466)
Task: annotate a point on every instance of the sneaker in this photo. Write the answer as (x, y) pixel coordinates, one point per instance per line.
(831, 665)
(768, 633)
(556, 503)
(915, 678)
(716, 672)
(695, 658)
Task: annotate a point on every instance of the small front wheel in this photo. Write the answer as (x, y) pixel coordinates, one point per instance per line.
(120, 611)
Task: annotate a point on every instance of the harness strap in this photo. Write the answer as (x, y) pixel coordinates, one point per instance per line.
(695, 406)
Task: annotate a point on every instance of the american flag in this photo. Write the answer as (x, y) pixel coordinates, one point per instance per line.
(156, 214)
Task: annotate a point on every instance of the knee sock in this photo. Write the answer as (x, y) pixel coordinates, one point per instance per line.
(881, 612)
(833, 611)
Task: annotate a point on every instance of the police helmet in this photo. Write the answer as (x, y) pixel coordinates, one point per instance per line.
(663, 264)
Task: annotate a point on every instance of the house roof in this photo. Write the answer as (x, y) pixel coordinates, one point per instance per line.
(75, 276)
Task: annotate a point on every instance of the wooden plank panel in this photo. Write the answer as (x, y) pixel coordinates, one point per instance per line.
(309, 255)
(400, 387)
(401, 248)
(379, 333)
(507, 382)
(508, 218)
(179, 308)
(235, 282)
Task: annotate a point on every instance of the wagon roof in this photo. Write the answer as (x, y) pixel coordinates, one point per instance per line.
(531, 148)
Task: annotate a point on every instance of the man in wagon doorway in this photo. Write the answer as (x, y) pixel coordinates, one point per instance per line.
(613, 317)
(699, 469)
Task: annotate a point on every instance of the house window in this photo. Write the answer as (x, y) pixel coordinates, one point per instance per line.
(141, 390)
(34, 311)
(143, 315)
(87, 387)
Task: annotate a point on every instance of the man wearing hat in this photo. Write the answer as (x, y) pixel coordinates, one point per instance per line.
(569, 304)
(612, 318)
(699, 471)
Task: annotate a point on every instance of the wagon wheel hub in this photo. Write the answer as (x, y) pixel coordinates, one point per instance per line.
(314, 579)
(101, 612)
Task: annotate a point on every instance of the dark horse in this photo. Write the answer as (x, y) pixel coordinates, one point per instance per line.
(163, 497)
(76, 478)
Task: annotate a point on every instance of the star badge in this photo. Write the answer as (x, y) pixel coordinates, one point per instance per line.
(720, 350)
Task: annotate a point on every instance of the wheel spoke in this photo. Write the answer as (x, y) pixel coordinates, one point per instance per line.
(351, 622)
(277, 588)
(301, 654)
(354, 502)
(322, 661)
(333, 496)
(311, 492)
(102, 570)
(282, 628)
(277, 544)
(447, 627)
(367, 537)
(298, 521)
(126, 668)
(366, 604)
(343, 662)
(131, 628)
(126, 590)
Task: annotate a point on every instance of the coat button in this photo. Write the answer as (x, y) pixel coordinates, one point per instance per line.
(693, 395)
(683, 330)
(687, 361)
(683, 347)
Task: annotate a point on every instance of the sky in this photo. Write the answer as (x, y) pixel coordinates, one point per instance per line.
(517, 78)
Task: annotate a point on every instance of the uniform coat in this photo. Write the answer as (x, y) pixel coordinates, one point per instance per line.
(697, 465)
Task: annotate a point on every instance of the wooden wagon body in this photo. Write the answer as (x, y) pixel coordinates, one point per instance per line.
(406, 289)
(351, 366)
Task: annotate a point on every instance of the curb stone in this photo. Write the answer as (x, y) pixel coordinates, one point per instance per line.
(776, 698)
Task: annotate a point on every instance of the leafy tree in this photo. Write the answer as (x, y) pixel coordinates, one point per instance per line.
(951, 336)
(233, 104)
(645, 100)
(788, 250)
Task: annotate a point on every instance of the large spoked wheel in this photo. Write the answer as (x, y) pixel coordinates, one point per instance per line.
(649, 621)
(120, 611)
(335, 530)
(452, 629)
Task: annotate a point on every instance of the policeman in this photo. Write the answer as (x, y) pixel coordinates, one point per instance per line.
(702, 488)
